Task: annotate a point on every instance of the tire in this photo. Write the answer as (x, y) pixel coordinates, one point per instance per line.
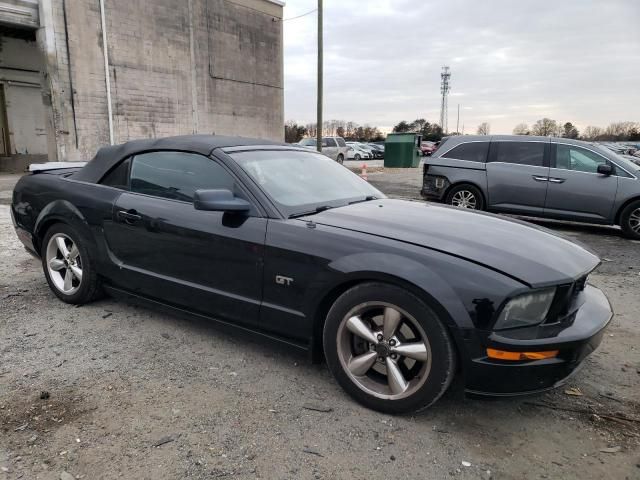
(357, 157)
(83, 285)
(340, 159)
(366, 380)
(465, 196)
(630, 220)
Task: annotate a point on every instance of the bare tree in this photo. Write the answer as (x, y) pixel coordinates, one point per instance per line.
(545, 127)
(592, 133)
(619, 130)
(521, 129)
(484, 128)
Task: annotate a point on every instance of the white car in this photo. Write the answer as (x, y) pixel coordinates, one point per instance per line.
(332, 147)
(356, 152)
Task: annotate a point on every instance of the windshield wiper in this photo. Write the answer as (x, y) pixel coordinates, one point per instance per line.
(368, 198)
(319, 209)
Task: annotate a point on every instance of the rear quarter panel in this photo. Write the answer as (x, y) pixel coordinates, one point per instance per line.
(452, 172)
(43, 199)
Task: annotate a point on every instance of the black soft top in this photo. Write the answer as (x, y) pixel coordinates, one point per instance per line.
(108, 157)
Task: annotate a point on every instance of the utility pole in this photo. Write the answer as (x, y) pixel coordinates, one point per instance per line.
(320, 75)
(458, 121)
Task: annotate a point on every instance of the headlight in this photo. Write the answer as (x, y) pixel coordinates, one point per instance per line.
(526, 310)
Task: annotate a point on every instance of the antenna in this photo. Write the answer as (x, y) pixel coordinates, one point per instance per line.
(445, 77)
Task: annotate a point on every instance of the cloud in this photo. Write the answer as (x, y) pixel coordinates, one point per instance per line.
(575, 60)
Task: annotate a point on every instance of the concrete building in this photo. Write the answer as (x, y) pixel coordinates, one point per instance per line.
(174, 67)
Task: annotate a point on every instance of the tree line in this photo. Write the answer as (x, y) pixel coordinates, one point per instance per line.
(617, 131)
(545, 127)
(294, 132)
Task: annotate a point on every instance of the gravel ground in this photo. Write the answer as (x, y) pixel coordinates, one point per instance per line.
(110, 390)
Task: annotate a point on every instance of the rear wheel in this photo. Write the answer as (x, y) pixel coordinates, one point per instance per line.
(388, 349)
(68, 266)
(465, 196)
(630, 220)
(340, 159)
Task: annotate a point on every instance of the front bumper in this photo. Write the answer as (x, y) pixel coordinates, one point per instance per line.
(486, 376)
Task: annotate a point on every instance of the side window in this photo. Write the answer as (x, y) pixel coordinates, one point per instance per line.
(521, 153)
(118, 177)
(331, 142)
(473, 151)
(325, 142)
(341, 142)
(579, 159)
(177, 175)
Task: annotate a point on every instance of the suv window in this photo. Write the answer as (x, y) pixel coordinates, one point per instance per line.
(177, 175)
(472, 151)
(520, 153)
(571, 157)
(341, 142)
(328, 142)
(118, 177)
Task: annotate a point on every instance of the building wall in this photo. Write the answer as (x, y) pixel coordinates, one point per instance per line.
(20, 66)
(175, 66)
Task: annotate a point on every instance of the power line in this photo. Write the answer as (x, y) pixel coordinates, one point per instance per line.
(300, 16)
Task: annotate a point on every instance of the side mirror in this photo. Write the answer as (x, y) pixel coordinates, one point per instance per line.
(605, 169)
(221, 200)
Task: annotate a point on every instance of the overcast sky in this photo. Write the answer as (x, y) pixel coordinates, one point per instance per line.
(511, 61)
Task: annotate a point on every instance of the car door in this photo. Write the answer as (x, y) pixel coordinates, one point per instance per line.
(166, 249)
(576, 190)
(517, 176)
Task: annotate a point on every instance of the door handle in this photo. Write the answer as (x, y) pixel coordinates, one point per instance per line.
(538, 178)
(557, 180)
(130, 216)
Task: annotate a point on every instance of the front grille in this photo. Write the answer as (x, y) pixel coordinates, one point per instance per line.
(565, 304)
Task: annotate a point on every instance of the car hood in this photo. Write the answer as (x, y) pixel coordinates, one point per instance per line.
(531, 254)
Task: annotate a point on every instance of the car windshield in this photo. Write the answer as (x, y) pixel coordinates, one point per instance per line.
(308, 142)
(304, 182)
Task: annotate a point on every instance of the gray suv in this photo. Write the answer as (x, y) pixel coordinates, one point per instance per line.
(539, 176)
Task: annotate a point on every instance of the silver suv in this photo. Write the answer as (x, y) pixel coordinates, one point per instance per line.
(333, 147)
(539, 176)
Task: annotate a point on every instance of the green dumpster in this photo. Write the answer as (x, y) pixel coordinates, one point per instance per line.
(402, 150)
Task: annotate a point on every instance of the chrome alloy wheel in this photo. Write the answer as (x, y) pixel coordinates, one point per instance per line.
(64, 264)
(464, 199)
(383, 350)
(634, 220)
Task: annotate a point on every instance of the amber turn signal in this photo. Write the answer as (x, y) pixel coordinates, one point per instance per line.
(518, 356)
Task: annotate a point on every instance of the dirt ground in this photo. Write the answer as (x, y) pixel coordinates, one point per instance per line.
(109, 390)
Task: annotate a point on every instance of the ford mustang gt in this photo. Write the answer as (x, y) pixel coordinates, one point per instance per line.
(397, 296)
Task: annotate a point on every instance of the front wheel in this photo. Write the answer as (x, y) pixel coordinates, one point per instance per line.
(388, 349)
(340, 159)
(357, 157)
(630, 220)
(465, 196)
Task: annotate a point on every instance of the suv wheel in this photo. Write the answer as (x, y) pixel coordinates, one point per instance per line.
(465, 196)
(388, 349)
(340, 159)
(630, 220)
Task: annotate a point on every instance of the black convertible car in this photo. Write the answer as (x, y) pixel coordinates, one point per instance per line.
(397, 296)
